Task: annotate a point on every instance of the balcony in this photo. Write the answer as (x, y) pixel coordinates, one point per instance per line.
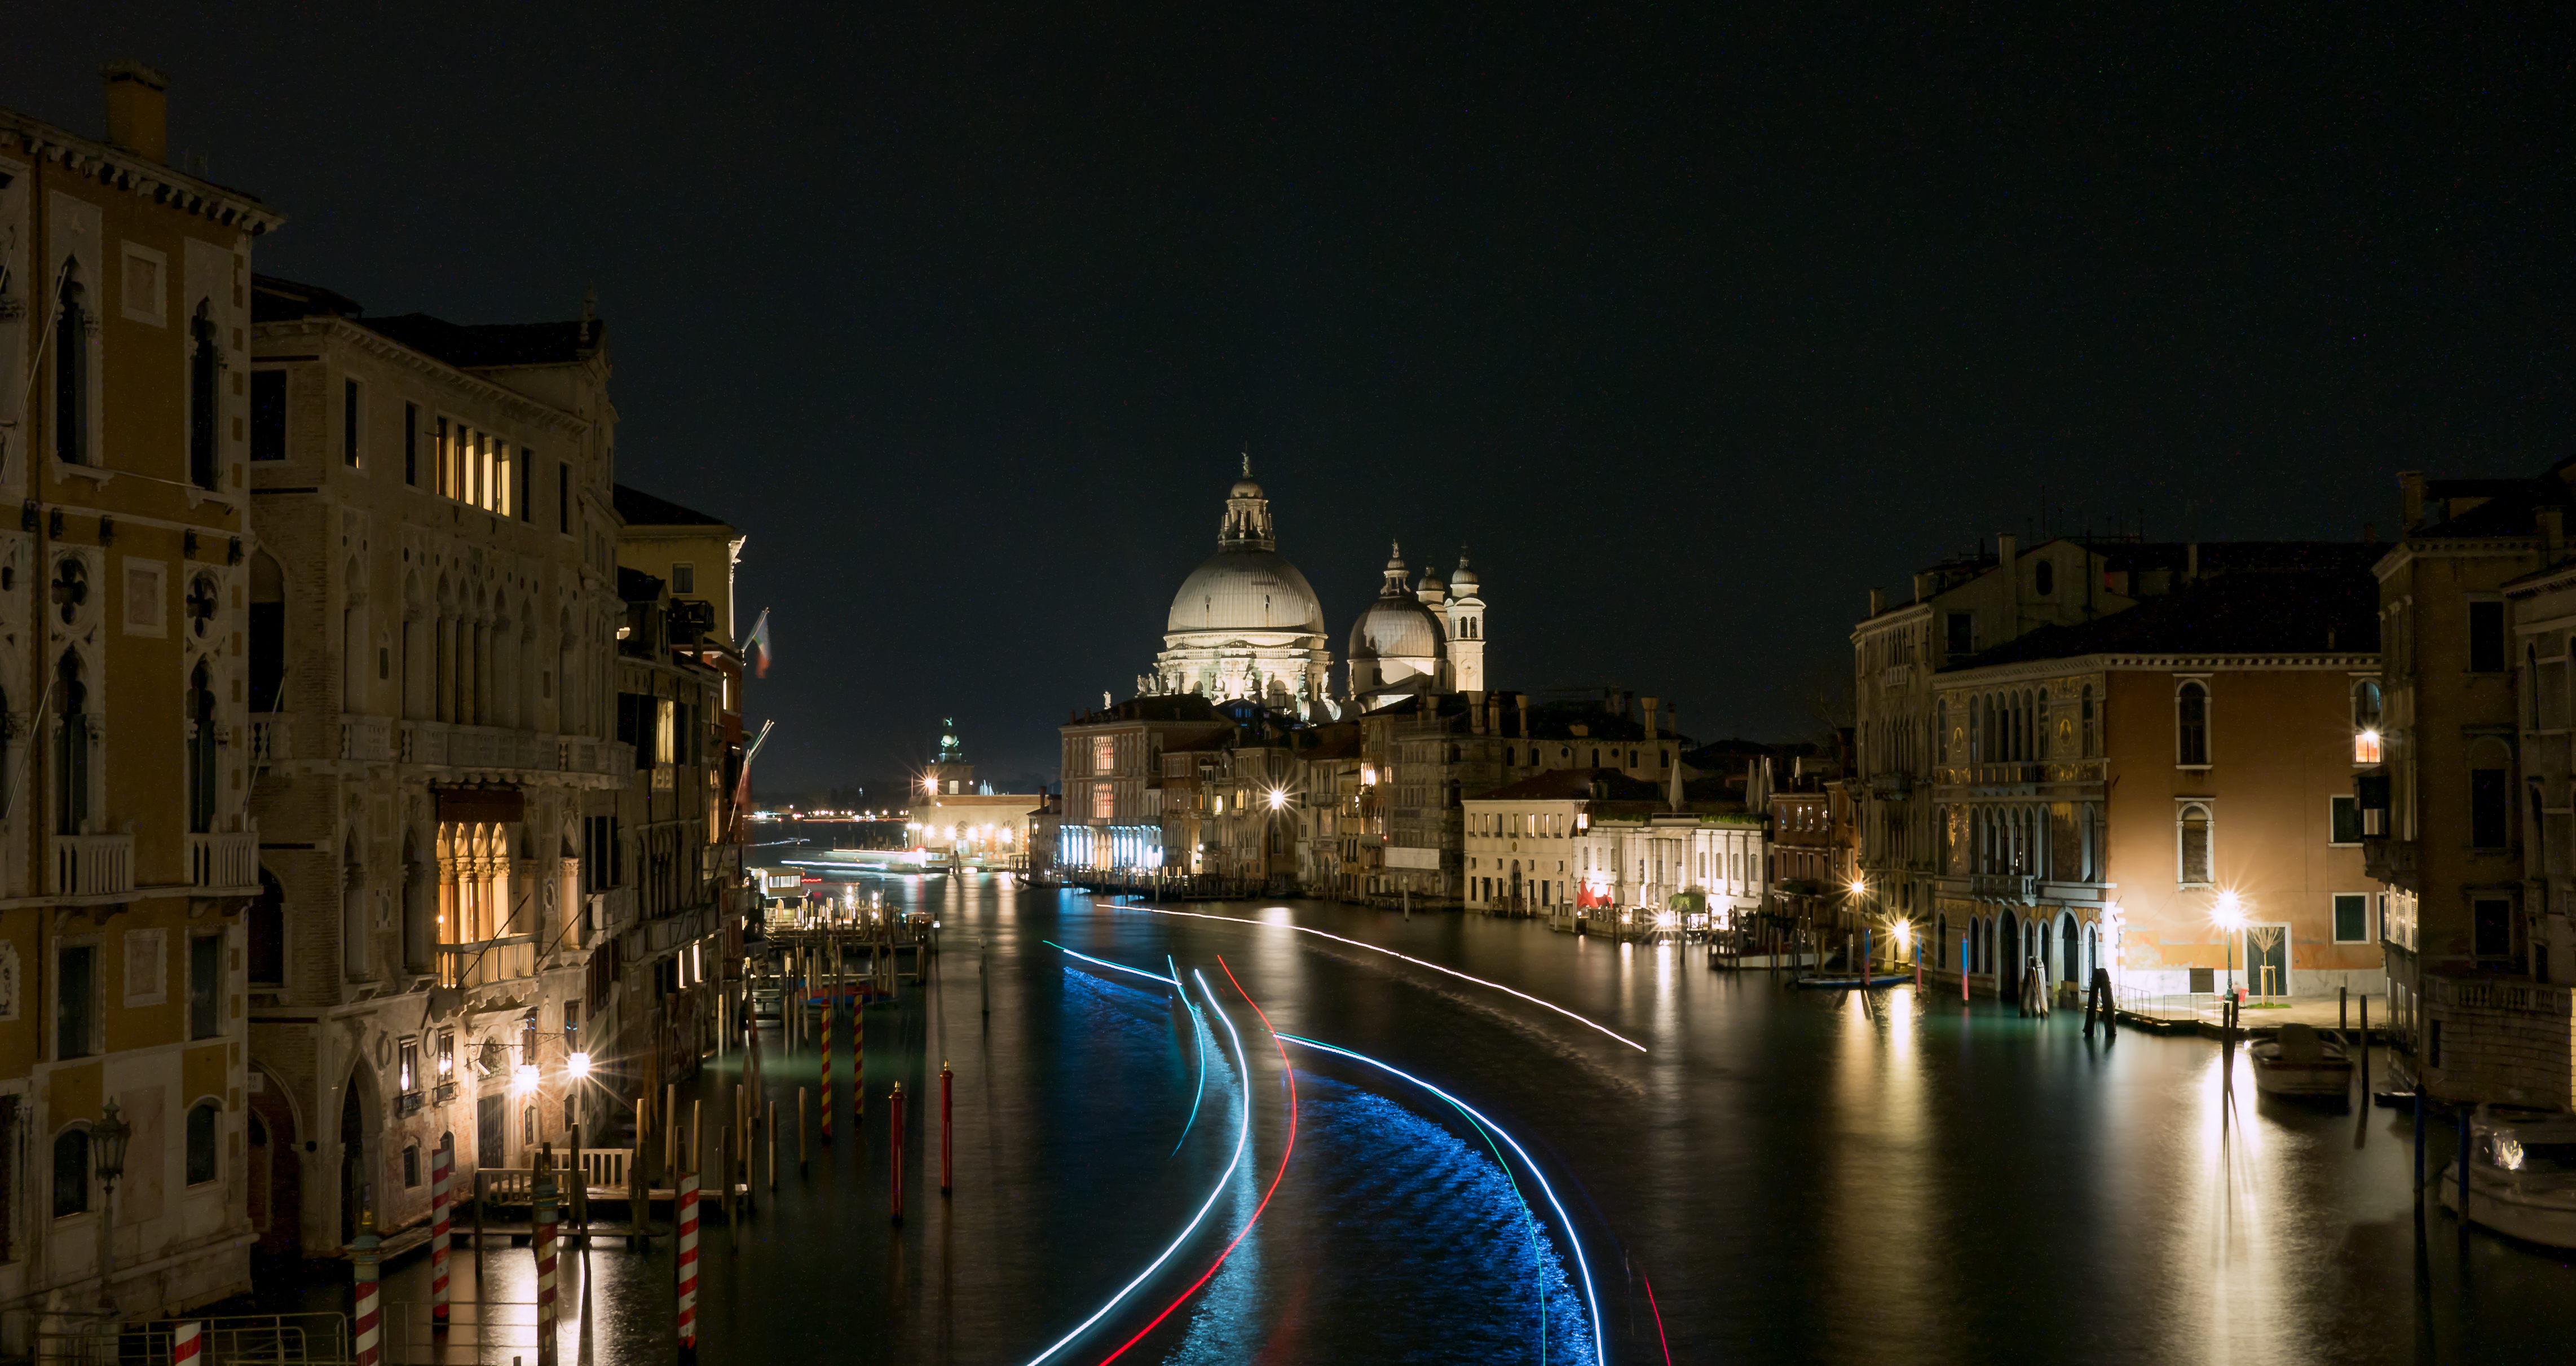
(92, 865)
(487, 961)
(226, 861)
(270, 738)
(2021, 887)
(367, 739)
(438, 744)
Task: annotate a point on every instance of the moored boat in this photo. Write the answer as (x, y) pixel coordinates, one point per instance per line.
(2522, 1175)
(2299, 1061)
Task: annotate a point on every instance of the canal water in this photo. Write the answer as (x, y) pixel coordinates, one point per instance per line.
(1779, 1175)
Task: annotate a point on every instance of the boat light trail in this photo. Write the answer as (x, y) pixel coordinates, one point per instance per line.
(1418, 962)
(1155, 977)
(1243, 1068)
(1291, 1074)
(1600, 1352)
(1198, 1046)
(1659, 1315)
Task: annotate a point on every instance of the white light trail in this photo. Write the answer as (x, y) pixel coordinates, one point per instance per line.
(1417, 962)
(1243, 1068)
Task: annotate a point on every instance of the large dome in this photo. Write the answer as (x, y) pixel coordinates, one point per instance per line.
(1246, 590)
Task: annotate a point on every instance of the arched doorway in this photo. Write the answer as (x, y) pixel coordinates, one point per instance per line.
(2009, 964)
(276, 1173)
(357, 1149)
(2070, 961)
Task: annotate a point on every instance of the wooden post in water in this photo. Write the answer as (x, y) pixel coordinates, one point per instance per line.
(770, 1132)
(896, 1128)
(800, 1128)
(947, 1162)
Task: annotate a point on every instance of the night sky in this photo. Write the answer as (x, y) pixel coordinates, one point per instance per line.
(1692, 328)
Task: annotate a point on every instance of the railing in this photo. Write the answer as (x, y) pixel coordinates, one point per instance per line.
(439, 744)
(2022, 887)
(269, 738)
(223, 860)
(368, 739)
(249, 1339)
(93, 865)
(487, 961)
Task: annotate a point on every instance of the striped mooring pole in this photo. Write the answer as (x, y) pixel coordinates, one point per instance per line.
(442, 1199)
(831, 989)
(370, 1316)
(689, 1266)
(548, 1211)
(186, 1341)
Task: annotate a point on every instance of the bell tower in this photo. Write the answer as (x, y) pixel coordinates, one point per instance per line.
(1466, 620)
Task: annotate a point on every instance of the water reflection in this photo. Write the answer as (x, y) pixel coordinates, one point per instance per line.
(1802, 1177)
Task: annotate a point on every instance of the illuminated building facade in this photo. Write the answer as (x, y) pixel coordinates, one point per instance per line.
(433, 692)
(125, 424)
(952, 817)
(2167, 791)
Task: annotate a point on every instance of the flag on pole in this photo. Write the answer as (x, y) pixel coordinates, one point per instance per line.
(755, 647)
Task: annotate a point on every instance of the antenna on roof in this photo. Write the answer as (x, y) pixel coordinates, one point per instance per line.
(590, 303)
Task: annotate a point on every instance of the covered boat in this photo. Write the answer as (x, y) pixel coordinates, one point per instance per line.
(2299, 1061)
(2522, 1175)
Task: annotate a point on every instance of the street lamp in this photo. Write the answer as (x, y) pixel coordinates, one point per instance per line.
(107, 1147)
(2231, 918)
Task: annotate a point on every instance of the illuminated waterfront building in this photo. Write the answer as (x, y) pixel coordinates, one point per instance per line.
(951, 813)
(126, 421)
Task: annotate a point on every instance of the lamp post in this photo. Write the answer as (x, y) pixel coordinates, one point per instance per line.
(2231, 918)
(107, 1147)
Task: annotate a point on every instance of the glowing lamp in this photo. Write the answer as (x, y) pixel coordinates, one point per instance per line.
(1278, 799)
(579, 1063)
(1667, 920)
(523, 1077)
(2230, 913)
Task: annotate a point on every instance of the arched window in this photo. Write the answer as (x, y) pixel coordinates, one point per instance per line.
(2365, 722)
(205, 367)
(71, 1172)
(204, 759)
(2043, 577)
(71, 374)
(2070, 963)
(71, 747)
(2191, 724)
(2192, 842)
(201, 1142)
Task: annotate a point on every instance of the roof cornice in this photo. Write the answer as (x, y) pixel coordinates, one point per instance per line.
(125, 171)
(2267, 661)
(360, 337)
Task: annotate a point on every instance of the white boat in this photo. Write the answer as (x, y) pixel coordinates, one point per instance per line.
(2522, 1175)
(2299, 1061)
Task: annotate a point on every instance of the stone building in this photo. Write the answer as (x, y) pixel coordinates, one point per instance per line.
(432, 633)
(2465, 813)
(2166, 791)
(681, 895)
(126, 745)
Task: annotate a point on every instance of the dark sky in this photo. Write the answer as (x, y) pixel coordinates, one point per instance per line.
(1693, 327)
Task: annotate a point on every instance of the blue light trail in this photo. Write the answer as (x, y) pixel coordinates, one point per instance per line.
(1600, 1351)
(1242, 1138)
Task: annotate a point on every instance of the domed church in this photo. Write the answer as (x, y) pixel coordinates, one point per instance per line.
(1247, 625)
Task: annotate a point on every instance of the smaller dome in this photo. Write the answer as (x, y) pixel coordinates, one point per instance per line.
(1464, 580)
(1245, 488)
(1396, 626)
(1430, 580)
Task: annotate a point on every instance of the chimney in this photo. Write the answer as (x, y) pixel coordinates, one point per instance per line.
(2005, 545)
(1922, 587)
(2190, 561)
(1673, 719)
(2553, 531)
(1476, 713)
(2410, 493)
(1523, 699)
(138, 110)
(2370, 533)
(1653, 704)
(1877, 602)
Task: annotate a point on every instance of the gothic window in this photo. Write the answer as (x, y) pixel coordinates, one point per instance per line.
(205, 373)
(2191, 724)
(71, 1172)
(71, 374)
(203, 759)
(201, 1142)
(72, 751)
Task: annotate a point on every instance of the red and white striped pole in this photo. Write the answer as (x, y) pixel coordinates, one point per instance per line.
(689, 1266)
(442, 1201)
(898, 1152)
(370, 1314)
(186, 1341)
(544, 1216)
